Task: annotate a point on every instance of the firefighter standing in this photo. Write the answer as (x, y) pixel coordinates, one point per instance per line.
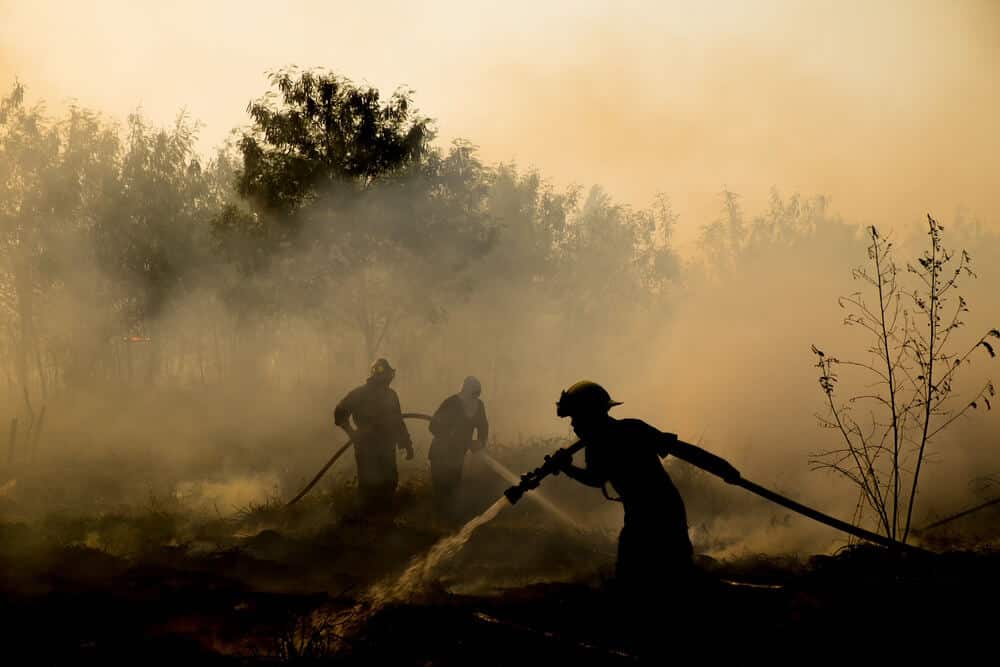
(452, 427)
(377, 432)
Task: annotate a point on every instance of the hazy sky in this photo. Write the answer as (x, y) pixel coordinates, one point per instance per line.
(889, 107)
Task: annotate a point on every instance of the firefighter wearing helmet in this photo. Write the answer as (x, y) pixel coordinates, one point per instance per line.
(378, 431)
(654, 550)
(452, 426)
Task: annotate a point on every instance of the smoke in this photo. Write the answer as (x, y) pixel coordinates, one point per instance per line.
(205, 496)
(225, 406)
(887, 109)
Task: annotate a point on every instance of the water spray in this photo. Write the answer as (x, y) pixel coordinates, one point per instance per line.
(505, 472)
(530, 480)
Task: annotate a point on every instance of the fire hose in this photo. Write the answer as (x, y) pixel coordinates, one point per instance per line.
(531, 480)
(338, 454)
(553, 464)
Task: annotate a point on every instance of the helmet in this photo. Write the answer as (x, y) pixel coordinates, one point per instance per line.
(381, 370)
(584, 397)
(471, 387)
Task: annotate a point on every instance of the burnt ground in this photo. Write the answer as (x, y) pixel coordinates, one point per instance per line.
(154, 585)
(234, 607)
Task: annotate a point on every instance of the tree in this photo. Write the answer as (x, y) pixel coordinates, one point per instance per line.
(347, 187)
(54, 181)
(27, 148)
(724, 240)
(910, 380)
(614, 259)
(153, 232)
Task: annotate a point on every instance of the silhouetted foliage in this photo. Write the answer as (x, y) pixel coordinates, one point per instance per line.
(348, 188)
(909, 387)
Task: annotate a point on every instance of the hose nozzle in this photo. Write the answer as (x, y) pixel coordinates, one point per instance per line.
(514, 493)
(528, 482)
(531, 480)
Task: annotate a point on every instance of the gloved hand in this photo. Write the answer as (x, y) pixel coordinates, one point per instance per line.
(665, 445)
(560, 460)
(728, 473)
(476, 446)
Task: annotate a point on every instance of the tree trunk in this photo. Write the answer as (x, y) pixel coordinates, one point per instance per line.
(25, 312)
(37, 435)
(41, 367)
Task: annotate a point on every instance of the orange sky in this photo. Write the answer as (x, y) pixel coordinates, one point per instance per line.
(888, 109)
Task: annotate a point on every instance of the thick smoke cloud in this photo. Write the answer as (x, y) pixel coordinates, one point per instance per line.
(227, 399)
